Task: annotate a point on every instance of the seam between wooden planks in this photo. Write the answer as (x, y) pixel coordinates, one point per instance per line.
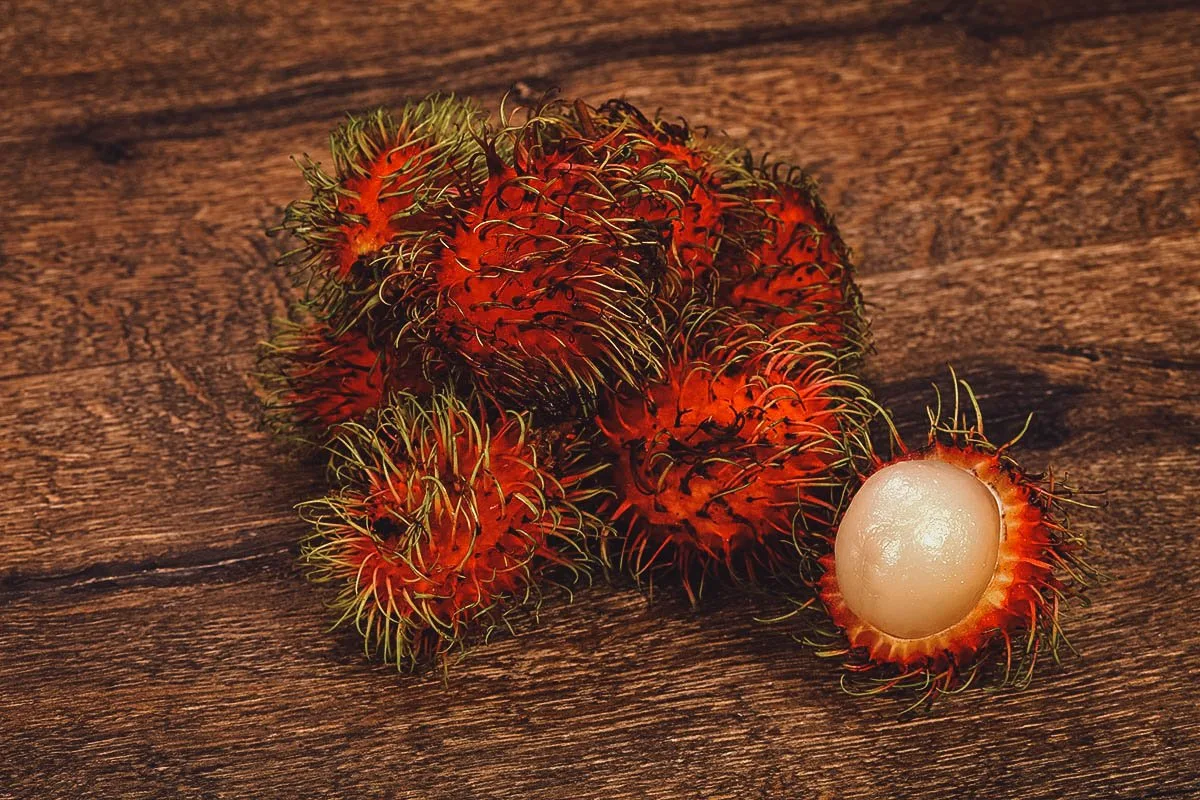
(1171, 240)
(204, 121)
(181, 569)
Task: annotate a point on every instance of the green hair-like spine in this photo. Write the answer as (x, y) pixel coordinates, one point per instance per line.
(719, 415)
(449, 520)
(412, 164)
(545, 288)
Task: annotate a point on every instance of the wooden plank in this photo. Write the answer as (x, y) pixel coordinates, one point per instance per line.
(1022, 183)
(174, 469)
(125, 468)
(231, 689)
(1135, 303)
(935, 147)
(1027, 146)
(206, 62)
(192, 64)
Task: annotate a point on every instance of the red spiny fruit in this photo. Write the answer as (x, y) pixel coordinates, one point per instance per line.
(799, 270)
(698, 186)
(736, 448)
(446, 523)
(540, 289)
(318, 377)
(393, 179)
(949, 566)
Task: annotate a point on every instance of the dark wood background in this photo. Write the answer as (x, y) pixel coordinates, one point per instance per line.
(1020, 180)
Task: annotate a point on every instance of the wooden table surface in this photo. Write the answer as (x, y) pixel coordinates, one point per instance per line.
(1020, 181)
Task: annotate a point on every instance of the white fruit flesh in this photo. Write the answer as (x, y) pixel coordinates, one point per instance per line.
(917, 547)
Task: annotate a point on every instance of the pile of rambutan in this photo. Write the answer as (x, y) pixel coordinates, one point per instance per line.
(580, 340)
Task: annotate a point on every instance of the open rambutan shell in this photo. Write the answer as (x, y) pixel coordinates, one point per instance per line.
(1013, 624)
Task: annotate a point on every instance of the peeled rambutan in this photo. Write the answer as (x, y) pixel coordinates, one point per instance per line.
(449, 519)
(316, 377)
(393, 178)
(743, 442)
(542, 288)
(794, 267)
(950, 563)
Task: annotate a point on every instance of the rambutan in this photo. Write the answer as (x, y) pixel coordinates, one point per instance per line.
(950, 563)
(742, 442)
(542, 288)
(394, 176)
(697, 185)
(597, 264)
(394, 179)
(316, 377)
(794, 267)
(449, 519)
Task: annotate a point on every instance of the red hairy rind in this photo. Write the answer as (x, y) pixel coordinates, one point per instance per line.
(395, 178)
(705, 180)
(447, 522)
(740, 444)
(542, 288)
(316, 377)
(795, 268)
(567, 266)
(1016, 621)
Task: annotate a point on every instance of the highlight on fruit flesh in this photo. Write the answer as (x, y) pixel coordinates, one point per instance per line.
(795, 268)
(542, 288)
(394, 179)
(950, 566)
(449, 519)
(742, 443)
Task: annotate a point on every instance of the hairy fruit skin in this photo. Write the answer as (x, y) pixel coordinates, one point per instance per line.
(1015, 622)
(318, 377)
(696, 187)
(717, 464)
(796, 269)
(392, 184)
(587, 265)
(538, 289)
(448, 520)
(395, 178)
(369, 206)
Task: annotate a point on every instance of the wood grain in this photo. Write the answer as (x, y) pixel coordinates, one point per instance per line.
(1020, 180)
(173, 262)
(229, 689)
(188, 429)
